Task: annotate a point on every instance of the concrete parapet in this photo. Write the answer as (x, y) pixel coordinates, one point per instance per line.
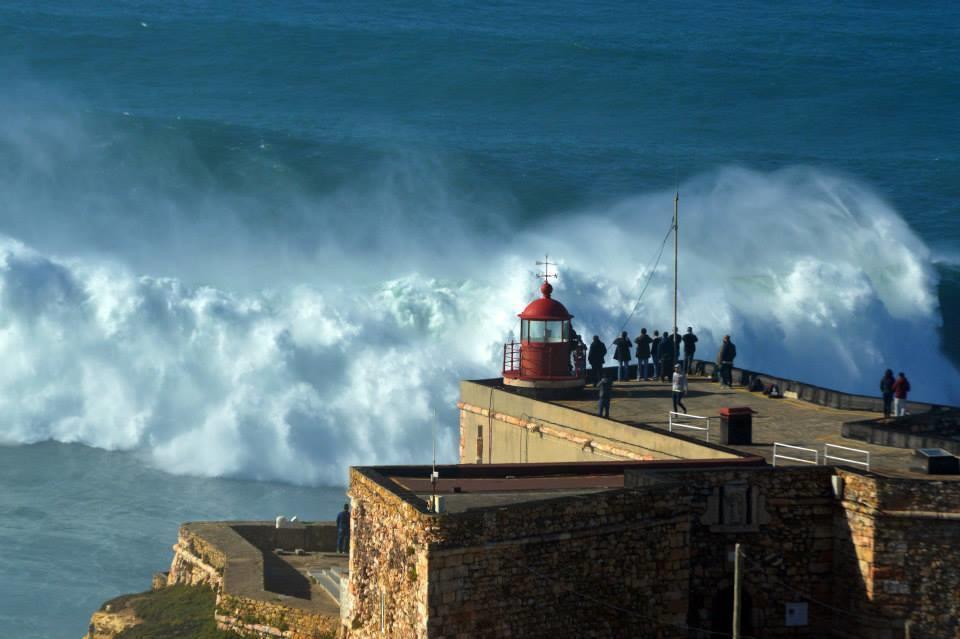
(230, 557)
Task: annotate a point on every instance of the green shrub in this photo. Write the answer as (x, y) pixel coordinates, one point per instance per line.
(175, 612)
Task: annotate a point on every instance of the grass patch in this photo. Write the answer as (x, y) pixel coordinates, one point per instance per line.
(175, 612)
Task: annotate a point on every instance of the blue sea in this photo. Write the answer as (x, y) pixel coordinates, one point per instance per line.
(245, 245)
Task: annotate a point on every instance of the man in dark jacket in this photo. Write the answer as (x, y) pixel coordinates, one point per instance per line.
(622, 355)
(343, 530)
(603, 399)
(689, 348)
(728, 352)
(655, 353)
(886, 390)
(643, 354)
(596, 354)
(668, 350)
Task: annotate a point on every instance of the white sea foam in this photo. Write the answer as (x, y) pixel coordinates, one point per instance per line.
(296, 382)
(219, 346)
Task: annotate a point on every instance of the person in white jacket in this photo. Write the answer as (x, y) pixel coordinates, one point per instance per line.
(679, 388)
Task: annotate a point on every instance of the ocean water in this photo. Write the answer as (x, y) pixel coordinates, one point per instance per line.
(244, 245)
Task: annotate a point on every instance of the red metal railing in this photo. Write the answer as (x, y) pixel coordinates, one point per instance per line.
(513, 356)
(511, 359)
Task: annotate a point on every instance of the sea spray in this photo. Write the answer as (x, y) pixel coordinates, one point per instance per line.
(813, 275)
(227, 308)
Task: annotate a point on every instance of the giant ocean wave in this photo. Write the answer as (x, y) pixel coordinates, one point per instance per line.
(285, 333)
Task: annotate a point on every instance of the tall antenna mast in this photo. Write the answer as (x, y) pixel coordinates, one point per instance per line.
(676, 263)
(434, 475)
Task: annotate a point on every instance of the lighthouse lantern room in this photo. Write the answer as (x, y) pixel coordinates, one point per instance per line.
(549, 356)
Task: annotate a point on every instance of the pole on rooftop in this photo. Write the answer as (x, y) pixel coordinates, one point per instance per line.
(676, 263)
(736, 591)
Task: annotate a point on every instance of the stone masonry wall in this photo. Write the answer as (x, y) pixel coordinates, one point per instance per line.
(786, 539)
(313, 537)
(896, 560)
(224, 556)
(388, 563)
(533, 570)
(257, 618)
(612, 564)
(654, 559)
(646, 561)
(196, 561)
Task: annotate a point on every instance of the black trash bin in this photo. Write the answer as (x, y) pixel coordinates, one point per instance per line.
(935, 461)
(736, 425)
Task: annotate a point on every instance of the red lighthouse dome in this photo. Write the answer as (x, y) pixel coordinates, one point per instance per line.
(546, 308)
(549, 355)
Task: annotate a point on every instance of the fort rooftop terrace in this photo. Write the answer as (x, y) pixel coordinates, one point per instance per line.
(646, 406)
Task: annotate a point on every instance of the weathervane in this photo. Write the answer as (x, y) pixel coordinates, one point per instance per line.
(546, 264)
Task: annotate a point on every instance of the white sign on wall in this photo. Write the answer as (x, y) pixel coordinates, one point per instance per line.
(797, 614)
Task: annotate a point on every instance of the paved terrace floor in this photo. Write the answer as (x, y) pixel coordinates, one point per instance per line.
(320, 599)
(787, 421)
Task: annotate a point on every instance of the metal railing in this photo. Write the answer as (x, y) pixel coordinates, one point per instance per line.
(816, 456)
(511, 357)
(678, 420)
(864, 462)
(576, 366)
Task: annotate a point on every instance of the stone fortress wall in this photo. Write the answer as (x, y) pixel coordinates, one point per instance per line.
(870, 558)
(234, 558)
(867, 555)
(898, 553)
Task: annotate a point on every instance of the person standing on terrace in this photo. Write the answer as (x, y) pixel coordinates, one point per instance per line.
(622, 355)
(643, 354)
(900, 389)
(679, 388)
(689, 348)
(655, 353)
(343, 530)
(886, 391)
(668, 353)
(728, 352)
(603, 398)
(596, 354)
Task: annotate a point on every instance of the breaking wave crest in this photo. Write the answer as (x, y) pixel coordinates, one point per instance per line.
(333, 340)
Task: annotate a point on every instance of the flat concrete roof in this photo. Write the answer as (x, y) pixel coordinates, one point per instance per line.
(471, 486)
(459, 503)
(787, 421)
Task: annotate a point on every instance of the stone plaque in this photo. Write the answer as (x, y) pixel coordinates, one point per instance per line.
(735, 511)
(735, 507)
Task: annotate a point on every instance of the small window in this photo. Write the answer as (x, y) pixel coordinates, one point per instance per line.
(553, 331)
(479, 444)
(537, 330)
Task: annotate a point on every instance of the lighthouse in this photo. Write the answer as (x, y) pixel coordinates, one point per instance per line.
(549, 358)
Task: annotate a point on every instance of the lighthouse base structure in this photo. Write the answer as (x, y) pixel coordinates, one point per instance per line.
(546, 388)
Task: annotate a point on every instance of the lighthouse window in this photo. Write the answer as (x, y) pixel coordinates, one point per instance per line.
(554, 331)
(540, 331)
(537, 331)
